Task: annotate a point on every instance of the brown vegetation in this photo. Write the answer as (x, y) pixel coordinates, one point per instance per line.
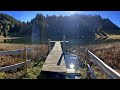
(38, 54)
(109, 53)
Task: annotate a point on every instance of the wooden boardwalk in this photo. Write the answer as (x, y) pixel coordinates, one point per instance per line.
(55, 63)
(55, 60)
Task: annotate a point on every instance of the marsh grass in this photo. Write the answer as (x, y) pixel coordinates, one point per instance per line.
(34, 72)
(113, 37)
(98, 73)
(9, 60)
(37, 55)
(109, 53)
(12, 75)
(38, 52)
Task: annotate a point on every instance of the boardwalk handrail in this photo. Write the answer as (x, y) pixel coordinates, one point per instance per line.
(59, 41)
(19, 65)
(111, 73)
(12, 52)
(12, 67)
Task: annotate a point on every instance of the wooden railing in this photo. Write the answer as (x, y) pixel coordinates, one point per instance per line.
(19, 65)
(92, 75)
(12, 67)
(111, 73)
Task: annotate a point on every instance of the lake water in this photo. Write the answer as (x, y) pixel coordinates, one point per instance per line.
(73, 41)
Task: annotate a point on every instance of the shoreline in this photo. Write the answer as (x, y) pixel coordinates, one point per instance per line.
(109, 36)
(5, 38)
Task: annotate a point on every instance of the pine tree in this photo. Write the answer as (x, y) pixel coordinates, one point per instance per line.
(4, 34)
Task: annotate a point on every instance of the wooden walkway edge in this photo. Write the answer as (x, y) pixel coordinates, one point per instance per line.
(111, 73)
(55, 60)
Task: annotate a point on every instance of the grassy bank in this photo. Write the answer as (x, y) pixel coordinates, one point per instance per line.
(108, 36)
(107, 52)
(37, 55)
(113, 36)
(5, 38)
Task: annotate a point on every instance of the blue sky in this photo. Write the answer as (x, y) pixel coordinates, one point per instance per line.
(114, 16)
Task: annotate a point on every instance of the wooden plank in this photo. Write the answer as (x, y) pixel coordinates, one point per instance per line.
(111, 73)
(12, 67)
(12, 52)
(55, 61)
(62, 70)
(53, 68)
(70, 71)
(58, 41)
(63, 43)
(73, 71)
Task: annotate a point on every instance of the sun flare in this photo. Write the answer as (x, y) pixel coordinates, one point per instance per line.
(72, 12)
(71, 66)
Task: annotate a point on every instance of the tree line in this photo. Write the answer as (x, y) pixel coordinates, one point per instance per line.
(74, 25)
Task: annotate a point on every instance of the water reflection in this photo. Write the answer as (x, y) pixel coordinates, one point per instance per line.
(71, 66)
(71, 61)
(72, 40)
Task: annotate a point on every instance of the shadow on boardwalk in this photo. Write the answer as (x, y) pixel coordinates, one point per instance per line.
(51, 75)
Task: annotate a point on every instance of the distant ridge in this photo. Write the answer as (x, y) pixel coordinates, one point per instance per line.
(77, 24)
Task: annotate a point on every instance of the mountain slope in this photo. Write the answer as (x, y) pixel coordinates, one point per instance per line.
(84, 25)
(7, 22)
(74, 25)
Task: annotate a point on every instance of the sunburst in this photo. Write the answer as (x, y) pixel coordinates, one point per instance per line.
(72, 12)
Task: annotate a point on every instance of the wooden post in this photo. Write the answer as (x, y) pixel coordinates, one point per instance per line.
(64, 45)
(25, 58)
(86, 55)
(90, 72)
(49, 45)
(87, 58)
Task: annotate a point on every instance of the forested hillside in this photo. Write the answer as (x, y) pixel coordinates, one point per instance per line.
(74, 25)
(8, 24)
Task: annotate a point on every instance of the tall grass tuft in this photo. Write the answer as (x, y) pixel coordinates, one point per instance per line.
(37, 55)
